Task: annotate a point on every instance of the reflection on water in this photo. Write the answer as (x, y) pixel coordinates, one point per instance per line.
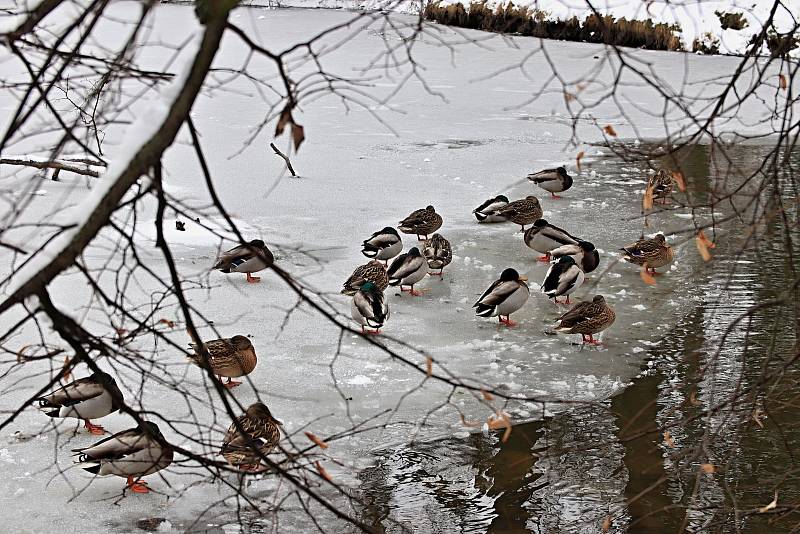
(609, 466)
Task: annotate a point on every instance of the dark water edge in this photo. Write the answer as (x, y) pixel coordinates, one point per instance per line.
(609, 466)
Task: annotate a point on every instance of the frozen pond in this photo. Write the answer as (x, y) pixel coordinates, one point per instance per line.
(357, 176)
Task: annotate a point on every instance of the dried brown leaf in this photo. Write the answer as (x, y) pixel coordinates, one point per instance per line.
(783, 82)
(323, 472)
(707, 241)
(498, 421)
(757, 417)
(610, 130)
(578, 159)
(607, 523)
(668, 439)
(283, 120)
(170, 324)
(693, 398)
(429, 366)
(702, 246)
(21, 353)
(708, 468)
(770, 506)
(647, 200)
(298, 135)
(486, 395)
(568, 97)
(677, 176)
(67, 368)
(318, 442)
(647, 278)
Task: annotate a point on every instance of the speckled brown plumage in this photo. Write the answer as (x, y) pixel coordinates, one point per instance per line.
(373, 271)
(259, 433)
(522, 212)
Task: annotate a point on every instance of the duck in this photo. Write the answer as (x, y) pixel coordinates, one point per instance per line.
(544, 237)
(247, 258)
(661, 183)
(552, 180)
(255, 434)
(374, 272)
(438, 253)
(522, 212)
(91, 397)
(584, 253)
(506, 295)
(408, 269)
(383, 245)
(587, 319)
(421, 222)
(562, 278)
(132, 453)
(369, 308)
(488, 211)
(649, 253)
(228, 357)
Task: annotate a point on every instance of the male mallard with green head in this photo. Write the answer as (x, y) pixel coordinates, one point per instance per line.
(552, 180)
(383, 245)
(132, 453)
(87, 398)
(544, 237)
(369, 308)
(247, 258)
(421, 222)
(488, 212)
(505, 296)
(408, 269)
(227, 357)
(373, 271)
(584, 254)
(562, 278)
(587, 319)
(522, 212)
(438, 253)
(255, 434)
(650, 253)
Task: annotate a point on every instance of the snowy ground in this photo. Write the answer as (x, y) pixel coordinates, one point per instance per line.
(356, 177)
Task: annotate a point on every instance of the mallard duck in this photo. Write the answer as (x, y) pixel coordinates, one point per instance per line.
(552, 180)
(662, 184)
(584, 254)
(228, 357)
(421, 222)
(369, 308)
(562, 278)
(522, 212)
(438, 253)
(650, 253)
(373, 271)
(587, 319)
(259, 435)
(87, 398)
(132, 453)
(488, 211)
(249, 258)
(544, 237)
(383, 245)
(408, 269)
(505, 296)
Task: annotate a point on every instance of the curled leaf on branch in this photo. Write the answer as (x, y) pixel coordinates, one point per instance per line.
(680, 181)
(784, 84)
(610, 130)
(498, 421)
(66, 371)
(429, 366)
(568, 97)
(771, 506)
(703, 244)
(318, 442)
(578, 159)
(708, 468)
(165, 321)
(21, 353)
(668, 439)
(607, 524)
(486, 395)
(323, 472)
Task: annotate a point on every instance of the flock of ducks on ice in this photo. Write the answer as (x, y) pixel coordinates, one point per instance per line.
(140, 451)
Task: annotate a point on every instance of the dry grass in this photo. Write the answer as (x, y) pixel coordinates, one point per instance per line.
(730, 20)
(508, 18)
